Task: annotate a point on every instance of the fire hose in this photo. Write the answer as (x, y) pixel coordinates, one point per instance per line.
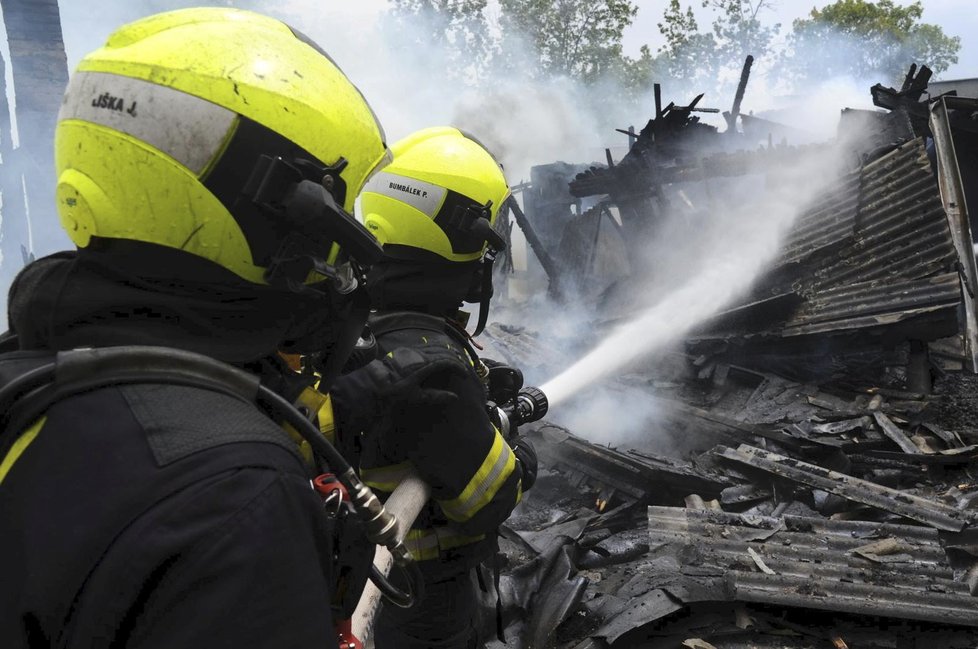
(411, 494)
(405, 503)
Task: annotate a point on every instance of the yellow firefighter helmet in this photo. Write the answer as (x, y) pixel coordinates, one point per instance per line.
(440, 196)
(219, 132)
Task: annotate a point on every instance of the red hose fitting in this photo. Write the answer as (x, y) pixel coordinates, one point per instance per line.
(327, 483)
(345, 637)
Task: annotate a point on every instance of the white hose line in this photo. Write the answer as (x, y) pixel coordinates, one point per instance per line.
(405, 503)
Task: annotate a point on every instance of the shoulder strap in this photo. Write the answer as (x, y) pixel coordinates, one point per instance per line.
(180, 421)
(390, 321)
(9, 342)
(31, 382)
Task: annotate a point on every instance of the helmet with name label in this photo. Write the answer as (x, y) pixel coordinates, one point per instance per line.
(433, 209)
(438, 199)
(224, 134)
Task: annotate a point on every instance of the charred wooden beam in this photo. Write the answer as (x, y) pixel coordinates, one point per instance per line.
(935, 514)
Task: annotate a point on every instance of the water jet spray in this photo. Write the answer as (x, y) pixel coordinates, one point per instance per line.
(745, 241)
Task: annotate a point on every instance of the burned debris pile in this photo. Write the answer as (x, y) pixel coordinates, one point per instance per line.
(811, 513)
(821, 490)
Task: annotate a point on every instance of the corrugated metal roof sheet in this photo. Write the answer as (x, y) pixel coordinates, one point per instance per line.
(873, 303)
(814, 563)
(874, 251)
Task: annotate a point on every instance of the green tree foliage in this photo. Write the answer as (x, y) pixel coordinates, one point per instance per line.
(580, 39)
(458, 27)
(738, 30)
(704, 58)
(577, 39)
(636, 76)
(864, 38)
(688, 55)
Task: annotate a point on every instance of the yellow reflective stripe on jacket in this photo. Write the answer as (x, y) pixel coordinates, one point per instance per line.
(322, 405)
(481, 489)
(386, 478)
(325, 417)
(426, 544)
(20, 446)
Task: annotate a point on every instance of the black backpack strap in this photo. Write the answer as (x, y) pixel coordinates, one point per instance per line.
(180, 421)
(216, 402)
(9, 342)
(391, 321)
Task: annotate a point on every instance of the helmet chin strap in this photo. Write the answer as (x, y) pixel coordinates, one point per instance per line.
(482, 226)
(486, 292)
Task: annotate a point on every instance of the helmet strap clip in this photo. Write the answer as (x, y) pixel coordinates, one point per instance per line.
(296, 258)
(486, 292)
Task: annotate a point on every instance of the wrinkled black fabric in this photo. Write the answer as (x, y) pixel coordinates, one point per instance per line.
(447, 618)
(128, 526)
(111, 536)
(446, 445)
(149, 295)
(433, 287)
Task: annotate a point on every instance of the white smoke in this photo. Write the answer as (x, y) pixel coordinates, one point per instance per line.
(612, 415)
(700, 267)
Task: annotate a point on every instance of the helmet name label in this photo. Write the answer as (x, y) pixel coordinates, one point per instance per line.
(189, 129)
(410, 190)
(106, 100)
(423, 196)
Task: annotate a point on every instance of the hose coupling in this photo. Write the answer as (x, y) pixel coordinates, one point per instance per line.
(380, 525)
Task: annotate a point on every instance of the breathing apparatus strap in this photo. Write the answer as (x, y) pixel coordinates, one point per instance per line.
(77, 371)
(9, 342)
(486, 292)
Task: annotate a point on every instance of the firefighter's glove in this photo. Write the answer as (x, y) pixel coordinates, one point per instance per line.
(526, 455)
(398, 376)
(396, 379)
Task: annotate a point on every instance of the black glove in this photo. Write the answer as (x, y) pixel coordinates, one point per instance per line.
(395, 379)
(527, 457)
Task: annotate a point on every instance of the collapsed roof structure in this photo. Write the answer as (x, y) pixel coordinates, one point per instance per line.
(823, 493)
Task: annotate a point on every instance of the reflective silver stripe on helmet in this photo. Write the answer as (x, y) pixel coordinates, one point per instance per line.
(189, 129)
(422, 196)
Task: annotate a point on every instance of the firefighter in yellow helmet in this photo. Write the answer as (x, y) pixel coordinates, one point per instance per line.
(433, 209)
(208, 161)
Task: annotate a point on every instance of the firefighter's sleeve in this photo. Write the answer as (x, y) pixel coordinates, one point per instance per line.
(257, 573)
(472, 471)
